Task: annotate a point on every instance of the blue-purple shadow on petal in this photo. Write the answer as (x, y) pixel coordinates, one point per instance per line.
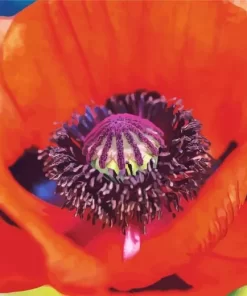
(45, 191)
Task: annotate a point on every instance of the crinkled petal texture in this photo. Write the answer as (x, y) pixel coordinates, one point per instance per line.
(58, 55)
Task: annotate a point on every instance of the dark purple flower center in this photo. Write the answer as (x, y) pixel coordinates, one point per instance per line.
(129, 159)
(120, 138)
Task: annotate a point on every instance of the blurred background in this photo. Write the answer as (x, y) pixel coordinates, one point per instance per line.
(11, 7)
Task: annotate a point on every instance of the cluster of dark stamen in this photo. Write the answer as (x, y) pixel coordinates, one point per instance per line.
(182, 167)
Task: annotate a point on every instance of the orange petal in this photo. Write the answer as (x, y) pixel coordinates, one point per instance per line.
(69, 268)
(198, 230)
(234, 244)
(22, 262)
(4, 25)
(168, 48)
(225, 269)
(218, 274)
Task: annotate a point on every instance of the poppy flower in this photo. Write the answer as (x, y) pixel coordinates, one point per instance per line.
(132, 59)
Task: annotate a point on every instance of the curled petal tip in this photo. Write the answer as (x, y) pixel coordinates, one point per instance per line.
(70, 270)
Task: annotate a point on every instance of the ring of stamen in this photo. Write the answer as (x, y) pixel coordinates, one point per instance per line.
(128, 159)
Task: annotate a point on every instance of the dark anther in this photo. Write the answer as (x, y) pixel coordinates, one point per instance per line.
(128, 159)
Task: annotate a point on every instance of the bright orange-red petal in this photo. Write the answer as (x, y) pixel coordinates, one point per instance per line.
(60, 54)
(225, 268)
(69, 269)
(22, 261)
(194, 232)
(234, 244)
(215, 272)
